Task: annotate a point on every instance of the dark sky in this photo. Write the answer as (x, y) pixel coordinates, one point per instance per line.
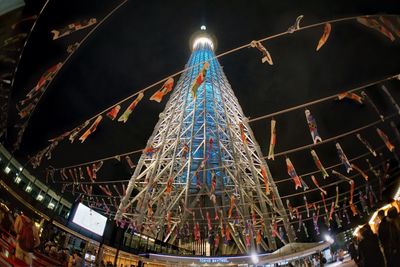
(146, 41)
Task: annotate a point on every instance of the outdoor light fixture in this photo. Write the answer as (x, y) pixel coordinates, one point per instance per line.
(17, 179)
(28, 188)
(254, 258)
(7, 170)
(20, 169)
(51, 205)
(329, 239)
(203, 40)
(397, 195)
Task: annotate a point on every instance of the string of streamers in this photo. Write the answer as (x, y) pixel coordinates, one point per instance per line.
(323, 201)
(317, 185)
(325, 36)
(369, 100)
(374, 24)
(198, 81)
(337, 197)
(343, 158)
(91, 129)
(392, 100)
(266, 57)
(292, 173)
(363, 174)
(385, 139)
(386, 22)
(332, 138)
(76, 131)
(113, 112)
(319, 164)
(272, 142)
(351, 96)
(73, 27)
(165, 89)
(125, 116)
(296, 214)
(312, 125)
(290, 30)
(315, 203)
(366, 144)
(22, 128)
(264, 175)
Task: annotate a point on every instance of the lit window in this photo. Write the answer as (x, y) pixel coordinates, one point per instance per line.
(51, 205)
(7, 169)
(39, 197)
(17, 180)
(28, 189)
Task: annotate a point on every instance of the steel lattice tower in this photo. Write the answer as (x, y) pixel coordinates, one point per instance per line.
(199, 141)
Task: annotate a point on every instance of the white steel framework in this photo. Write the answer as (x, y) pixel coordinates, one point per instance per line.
(204, 147)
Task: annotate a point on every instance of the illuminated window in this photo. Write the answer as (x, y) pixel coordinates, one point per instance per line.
(17, 180)
(39, 197)
(51, 205)
(28, 188)
(7, 170)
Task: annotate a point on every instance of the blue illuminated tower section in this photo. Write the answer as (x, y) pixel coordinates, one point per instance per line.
(204, 175)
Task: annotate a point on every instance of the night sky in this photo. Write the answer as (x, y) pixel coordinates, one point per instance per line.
(146, 41)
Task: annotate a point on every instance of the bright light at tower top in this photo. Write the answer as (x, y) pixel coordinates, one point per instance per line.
(203, 27)
(202, 41)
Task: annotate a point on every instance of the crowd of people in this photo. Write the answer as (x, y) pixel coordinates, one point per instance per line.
(21, 233)
(381, 249)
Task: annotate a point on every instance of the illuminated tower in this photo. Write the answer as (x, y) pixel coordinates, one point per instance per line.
(203, 158)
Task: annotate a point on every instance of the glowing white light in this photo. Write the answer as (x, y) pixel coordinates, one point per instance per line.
(7, 170)
(51, 205)
(17, 180)
(203, 41)
(39, 197)
(20, 168)
(329, 239)
(28, 188)
(203, 27)
(254, 258)
(397, 195)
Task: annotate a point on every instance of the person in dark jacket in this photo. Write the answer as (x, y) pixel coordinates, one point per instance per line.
(393, 259)
(368, 248)
(384, 233)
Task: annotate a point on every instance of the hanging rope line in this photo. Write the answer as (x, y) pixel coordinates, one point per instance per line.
(216, 57)
(103, 159)
(317, 101)
(286, 196)
(330, 167)
(334, 137)
(70, 55)
(26, 41)
(276, 155)
(261, 214)
(277, 181)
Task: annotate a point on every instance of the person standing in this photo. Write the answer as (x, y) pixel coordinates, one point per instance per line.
(27, 238)
(384, 234)
(394, 238)
(369, 250)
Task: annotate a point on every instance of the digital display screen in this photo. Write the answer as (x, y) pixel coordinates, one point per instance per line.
(89, 219)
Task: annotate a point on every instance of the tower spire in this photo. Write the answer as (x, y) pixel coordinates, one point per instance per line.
(206, 168)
